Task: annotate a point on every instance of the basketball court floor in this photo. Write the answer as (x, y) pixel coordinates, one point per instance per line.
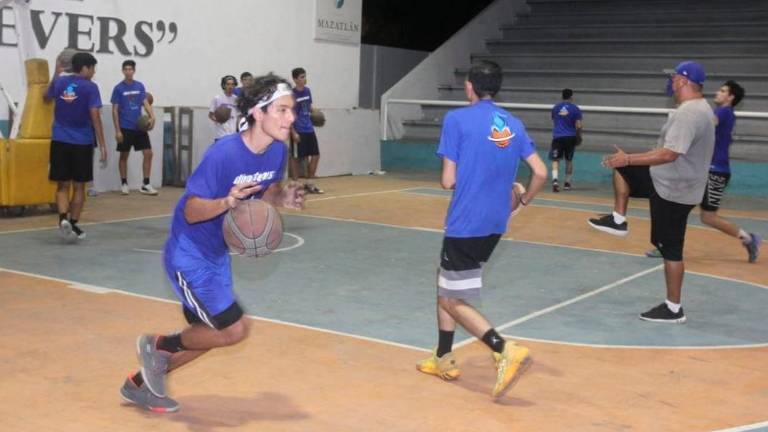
(345, 308)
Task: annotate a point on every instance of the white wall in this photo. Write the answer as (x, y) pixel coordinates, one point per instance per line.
(381, 67)
(438, 68)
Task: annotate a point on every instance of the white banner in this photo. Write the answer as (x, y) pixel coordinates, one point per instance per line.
(338, 21)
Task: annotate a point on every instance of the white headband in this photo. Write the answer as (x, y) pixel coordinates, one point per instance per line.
(283, 89)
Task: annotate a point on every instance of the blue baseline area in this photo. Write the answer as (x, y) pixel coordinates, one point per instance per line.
(4, 127)
(748, 178)
(750, 224)
(379, 282)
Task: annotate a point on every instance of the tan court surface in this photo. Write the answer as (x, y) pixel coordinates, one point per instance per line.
(65, 352)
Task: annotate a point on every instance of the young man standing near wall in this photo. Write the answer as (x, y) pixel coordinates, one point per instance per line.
(305, 147)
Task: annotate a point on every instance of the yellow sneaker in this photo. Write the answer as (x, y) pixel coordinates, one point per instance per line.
(510, 364)
(444, 367)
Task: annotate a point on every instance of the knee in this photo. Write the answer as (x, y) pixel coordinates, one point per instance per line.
(708, 217)
(148, 153)
(448, 304)
(235, 333)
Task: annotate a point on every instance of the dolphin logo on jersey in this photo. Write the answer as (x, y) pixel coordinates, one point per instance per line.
(500, 133)
(69, 94)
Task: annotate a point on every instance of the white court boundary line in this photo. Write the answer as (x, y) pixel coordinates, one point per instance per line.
(87, 224)
(744, 428)
(93, 289)
(652, 347)
(359, 194)
(299, 242)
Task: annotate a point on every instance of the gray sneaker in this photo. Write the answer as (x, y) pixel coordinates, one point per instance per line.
(154, 364)
(144, 398)
(753, 247)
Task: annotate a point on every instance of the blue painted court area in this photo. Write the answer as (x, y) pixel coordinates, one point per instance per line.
(379, 281)
(749, 224)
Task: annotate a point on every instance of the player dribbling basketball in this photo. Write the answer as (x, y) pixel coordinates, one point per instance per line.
(247, 165)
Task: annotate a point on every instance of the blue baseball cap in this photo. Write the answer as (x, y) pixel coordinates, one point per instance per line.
(691, 70)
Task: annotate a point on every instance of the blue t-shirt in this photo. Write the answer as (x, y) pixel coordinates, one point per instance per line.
(564, 117)
(73, 96)
(129, 99)
(303, 106)
(726, 120)
(487, 144)
(226, 162)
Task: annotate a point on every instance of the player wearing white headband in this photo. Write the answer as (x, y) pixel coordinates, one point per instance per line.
(245, 165)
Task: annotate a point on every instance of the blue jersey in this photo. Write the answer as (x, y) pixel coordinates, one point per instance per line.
(564, 118)
(726, 120)
(74, 97)
(226, 162)
(487, 144)
(129, 99)
(303, 106)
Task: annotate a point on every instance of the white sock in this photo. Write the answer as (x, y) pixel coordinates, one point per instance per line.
(619, 219)
(674, 307)
(744, 236)
(554, 175)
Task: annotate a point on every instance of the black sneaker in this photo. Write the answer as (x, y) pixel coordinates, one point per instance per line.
(78, 232)
(555, 186)
(606, 224)
(661, 313)
(567, 186)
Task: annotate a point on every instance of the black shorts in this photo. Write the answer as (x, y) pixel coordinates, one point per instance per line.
(668, 219)
(307, 146)
(716, 185)
(137, 139)
(70, 162)
(461, 265)
(563, 147)
(224, 319)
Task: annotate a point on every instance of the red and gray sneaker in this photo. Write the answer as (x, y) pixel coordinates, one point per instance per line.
(154, 364)
(144, 398)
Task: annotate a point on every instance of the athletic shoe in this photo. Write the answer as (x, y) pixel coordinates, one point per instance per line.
(313, 189)
(78, 232)
(661, 313)
(154, 364)
(65, 231)
(555, 186)
(147, 189)
(144, 398)
(443, 367)
(606, 224)
(567, 186)
(753, 247)
(124, 189)
(653, 253)
(510, 364)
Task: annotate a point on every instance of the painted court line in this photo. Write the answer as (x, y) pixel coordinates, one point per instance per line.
(359, 194)
(567, 302)
(745, 428)
(93, 289)
(653, 347)
(86, 224)
(299, 242)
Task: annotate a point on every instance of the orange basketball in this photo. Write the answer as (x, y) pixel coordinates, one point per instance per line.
(253, 228)
(222, 114)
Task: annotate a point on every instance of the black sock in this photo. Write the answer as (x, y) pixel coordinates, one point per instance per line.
(494, 340)
(171, 343)
(125, 181)
(445, 343)
(137, 378)
(62, 216)
(146, 181)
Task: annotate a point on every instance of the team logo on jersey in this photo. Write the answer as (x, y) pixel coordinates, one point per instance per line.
(500, 133)
(69, 94)
(563, 112)
(257, 177)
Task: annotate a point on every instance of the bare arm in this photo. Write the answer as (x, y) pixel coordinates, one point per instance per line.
(99, 129)
(538, 178)
(448, 177)
(653, 157)
(150, 113)
(199, 209)
(116, 119)
(290, 196)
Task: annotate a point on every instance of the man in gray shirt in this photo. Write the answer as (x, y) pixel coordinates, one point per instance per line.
(673, 176)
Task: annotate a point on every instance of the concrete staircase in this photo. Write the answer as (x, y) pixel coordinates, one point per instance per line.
(612, 53)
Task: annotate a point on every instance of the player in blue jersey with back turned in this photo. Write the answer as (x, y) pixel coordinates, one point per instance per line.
(481, 146)
(566, 135)
(196, 257)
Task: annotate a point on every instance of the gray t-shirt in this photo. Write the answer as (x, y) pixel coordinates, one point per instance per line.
(689, 131)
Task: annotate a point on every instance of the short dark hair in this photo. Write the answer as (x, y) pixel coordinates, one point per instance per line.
(567, 94)
(485, 77)
(130, 63)
(735, 90)
(81, 60)
(245, 75)
(263, 86)
(295, 73)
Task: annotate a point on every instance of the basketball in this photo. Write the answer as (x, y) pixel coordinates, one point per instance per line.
(253, 228)
(64, 59)
(142, 123)
(149, 98)
(222, 114)
(317, 117)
